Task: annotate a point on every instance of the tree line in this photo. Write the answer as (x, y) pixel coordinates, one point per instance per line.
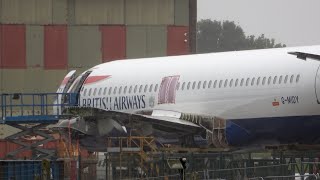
(219, 36)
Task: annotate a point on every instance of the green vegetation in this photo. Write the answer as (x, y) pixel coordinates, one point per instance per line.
(217, 36)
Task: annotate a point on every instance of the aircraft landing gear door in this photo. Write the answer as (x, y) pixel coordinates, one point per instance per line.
(317, 85)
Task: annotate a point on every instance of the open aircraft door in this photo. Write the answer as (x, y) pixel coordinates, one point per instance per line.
(317, 85)
(63, 88)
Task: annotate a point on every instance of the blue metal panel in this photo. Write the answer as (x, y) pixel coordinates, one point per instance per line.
(28, 169)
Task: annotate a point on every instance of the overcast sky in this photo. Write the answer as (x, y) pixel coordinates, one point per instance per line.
(292, 22)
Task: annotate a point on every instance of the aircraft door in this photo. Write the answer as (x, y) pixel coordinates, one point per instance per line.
(317, 85)
(63, 88)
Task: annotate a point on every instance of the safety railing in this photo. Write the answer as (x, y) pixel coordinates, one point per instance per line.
(34, 106)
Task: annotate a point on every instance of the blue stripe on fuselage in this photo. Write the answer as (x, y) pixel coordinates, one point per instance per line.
(285, 130)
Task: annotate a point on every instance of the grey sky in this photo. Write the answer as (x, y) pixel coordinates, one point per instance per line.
(293, 22)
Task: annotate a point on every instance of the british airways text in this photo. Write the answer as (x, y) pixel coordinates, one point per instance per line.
(116, 103)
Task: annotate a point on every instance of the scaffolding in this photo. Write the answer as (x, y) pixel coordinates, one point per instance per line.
(32, 113)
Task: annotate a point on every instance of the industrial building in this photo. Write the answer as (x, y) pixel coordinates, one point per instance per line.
(41, 40)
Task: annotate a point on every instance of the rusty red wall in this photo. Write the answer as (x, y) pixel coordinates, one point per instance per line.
(113, 42)
(13, 46)
(55, 47)
(177, 40)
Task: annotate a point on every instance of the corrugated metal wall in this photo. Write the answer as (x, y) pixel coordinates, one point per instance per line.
(113, 42)
(55, 47)
(40, 40)
(26, 11)
(99, 12)
(34, 45)
(178, 40)
(156, 12)
(13, 46)
(84, 46)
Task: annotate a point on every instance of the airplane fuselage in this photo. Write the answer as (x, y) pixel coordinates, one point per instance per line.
(265, 95)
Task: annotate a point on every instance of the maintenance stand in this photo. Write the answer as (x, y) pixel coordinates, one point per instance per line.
(32, 113)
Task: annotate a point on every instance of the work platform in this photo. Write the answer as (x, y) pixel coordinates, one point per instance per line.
(32, 113)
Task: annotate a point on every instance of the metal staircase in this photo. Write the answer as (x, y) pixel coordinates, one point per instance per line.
(32, 113)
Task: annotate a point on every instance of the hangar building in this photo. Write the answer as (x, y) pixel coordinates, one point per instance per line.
(41, 40)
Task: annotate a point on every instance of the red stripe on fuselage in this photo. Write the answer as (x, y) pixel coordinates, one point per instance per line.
(93, 79)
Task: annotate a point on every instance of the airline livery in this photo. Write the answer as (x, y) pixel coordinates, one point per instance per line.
(229, 99)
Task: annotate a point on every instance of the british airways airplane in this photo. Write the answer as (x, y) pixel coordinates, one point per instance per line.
(229, 99)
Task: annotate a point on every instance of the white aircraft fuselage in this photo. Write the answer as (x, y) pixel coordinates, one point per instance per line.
(266, 96)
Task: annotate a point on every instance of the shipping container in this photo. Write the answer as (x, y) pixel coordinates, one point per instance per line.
(178, 41)
(13, 46)
(149, 12)
(113, 42)
(99, 12)
(84, 46)
(55, 47)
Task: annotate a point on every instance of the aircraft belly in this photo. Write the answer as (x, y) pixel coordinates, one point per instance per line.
(270, 130)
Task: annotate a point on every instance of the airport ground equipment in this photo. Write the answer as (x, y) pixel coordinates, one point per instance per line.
(32, 113)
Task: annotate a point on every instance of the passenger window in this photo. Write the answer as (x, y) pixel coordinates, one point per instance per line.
(209, 84)
(130, 89)
(280, 79)
(183, 84)
(135, 89)
(125, 90)
(105, 91)
(231, 83)
(225, 83)
(199, 84)
(151, 87)
(94, 91)
(110, 90)
(247, 82)
(269, 80)
(115, 90)
(286, 79)
(193, 85)
(220, 83)
(215, 84)
(236, 83)
(85, 92)
(252, 81)
(297, 79)
(242, 81)
(156, 88)
(89, 93)
(258, 81)
(291, 78)
(275, 79)
(120, 89)
(264, 80)
(140, 89)
(204, 84)
(188, 86)
(145, 88)
(99, 93)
